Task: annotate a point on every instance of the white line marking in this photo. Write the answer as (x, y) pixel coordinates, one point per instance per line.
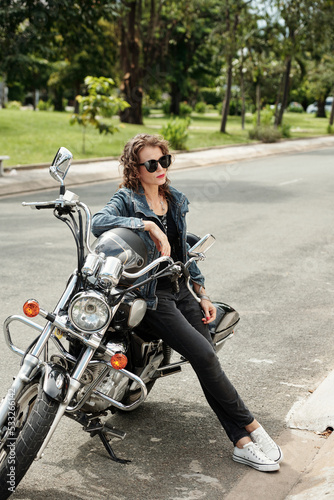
(290, 182)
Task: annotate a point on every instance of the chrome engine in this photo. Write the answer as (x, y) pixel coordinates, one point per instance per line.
(113, 384)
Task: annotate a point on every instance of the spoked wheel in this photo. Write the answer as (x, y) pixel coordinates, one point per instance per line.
(29, 420)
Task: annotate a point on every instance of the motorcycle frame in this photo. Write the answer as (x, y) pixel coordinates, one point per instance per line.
(66, 204)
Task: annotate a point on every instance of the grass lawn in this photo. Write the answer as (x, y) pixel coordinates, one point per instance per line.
(34, 137)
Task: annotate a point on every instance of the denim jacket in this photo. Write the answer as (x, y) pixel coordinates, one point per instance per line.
(129, 209)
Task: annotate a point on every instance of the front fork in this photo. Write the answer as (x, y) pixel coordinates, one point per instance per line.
(31, 360)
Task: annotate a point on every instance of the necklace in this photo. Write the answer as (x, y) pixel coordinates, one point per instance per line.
(163, 216)
(161, 200)
(163, 220)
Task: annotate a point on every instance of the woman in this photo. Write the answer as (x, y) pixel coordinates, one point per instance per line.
(148, 204)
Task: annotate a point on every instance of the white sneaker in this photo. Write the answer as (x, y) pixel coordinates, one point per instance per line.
(266, 444)
(251, 455)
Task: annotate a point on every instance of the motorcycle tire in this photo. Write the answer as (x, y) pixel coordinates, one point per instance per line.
(34, 413)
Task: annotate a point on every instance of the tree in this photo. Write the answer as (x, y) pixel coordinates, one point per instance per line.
(228, 35)
(100, 102)
(47, 30)
(303, 27)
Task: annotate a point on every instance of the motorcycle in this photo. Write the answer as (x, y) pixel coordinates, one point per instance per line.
(104, 360)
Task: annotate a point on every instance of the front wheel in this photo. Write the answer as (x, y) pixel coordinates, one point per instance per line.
(29, 419)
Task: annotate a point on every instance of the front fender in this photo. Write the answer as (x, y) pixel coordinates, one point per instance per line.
(55, 383)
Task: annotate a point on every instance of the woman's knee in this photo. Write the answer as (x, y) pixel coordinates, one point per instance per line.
(207, 357)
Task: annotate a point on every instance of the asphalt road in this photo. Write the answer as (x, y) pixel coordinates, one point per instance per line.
(272, 261)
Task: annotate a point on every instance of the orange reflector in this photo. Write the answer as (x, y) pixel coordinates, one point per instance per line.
(119, 361)
(31, 308)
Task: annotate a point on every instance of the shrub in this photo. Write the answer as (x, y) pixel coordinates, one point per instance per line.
(176, 132)
(13, 105)
(286, 130)
(266, 117)
(45, 105)
(185, 110)
(295, 107)
(166, 107)
(146, 111)
(265, 134)
(211, 95)
(330, 129)
(200, 107)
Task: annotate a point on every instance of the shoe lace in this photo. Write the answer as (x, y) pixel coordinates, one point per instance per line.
(257, 452)
(265, 439)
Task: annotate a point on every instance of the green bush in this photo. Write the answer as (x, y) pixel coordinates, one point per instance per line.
(146, 111)
(295, 107)
(176, 132)
(285, 130)
(265, 134)
(211, 96)
(13, 105)
(45, 105)
(235, 107)
(166, 107)
(185, 110)
(330, 129)
(200, 107)
(266, 117)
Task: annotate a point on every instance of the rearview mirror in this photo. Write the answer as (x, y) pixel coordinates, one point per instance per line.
(60, 165)
(202, 245)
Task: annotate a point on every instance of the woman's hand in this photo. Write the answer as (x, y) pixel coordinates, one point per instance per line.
(209, 311)
(158, 237)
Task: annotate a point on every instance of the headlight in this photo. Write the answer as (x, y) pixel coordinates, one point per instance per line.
(89, 311)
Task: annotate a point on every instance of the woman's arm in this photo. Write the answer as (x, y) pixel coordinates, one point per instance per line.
(116, 214)
(158, 237)
(206, 304)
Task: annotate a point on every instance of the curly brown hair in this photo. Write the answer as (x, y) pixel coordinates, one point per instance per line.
(130, 160)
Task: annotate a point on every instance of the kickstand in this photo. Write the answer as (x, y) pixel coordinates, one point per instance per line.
(109, 449)
(97, 428)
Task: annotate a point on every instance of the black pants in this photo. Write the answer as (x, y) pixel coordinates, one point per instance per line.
(178, 321)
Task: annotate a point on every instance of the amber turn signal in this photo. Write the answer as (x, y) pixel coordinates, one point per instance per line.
(31, 308)
(119, 361)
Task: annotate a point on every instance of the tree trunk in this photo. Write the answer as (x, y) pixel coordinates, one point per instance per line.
(278, 101)
(76, 103)
(258, 104)
(243, 106)
(58, 100)
(321, 113)
(130, 58)
(35, 98)
(331, 118)
(134, 96)
(286, 86)
(227, 98)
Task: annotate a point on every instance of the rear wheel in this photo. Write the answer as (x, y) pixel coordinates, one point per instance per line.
(29, 421)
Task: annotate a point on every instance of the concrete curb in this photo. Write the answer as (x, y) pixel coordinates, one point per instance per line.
(300, 449)
(317, 480)
(29, 180)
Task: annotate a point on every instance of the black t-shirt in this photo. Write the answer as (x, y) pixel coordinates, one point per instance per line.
(170, 229)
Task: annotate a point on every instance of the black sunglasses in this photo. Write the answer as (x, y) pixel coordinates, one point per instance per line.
(152, 165)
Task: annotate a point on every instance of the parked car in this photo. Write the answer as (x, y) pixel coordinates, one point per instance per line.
(313, 108)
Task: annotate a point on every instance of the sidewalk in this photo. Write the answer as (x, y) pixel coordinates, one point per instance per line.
(307, 471)
(22, 179)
